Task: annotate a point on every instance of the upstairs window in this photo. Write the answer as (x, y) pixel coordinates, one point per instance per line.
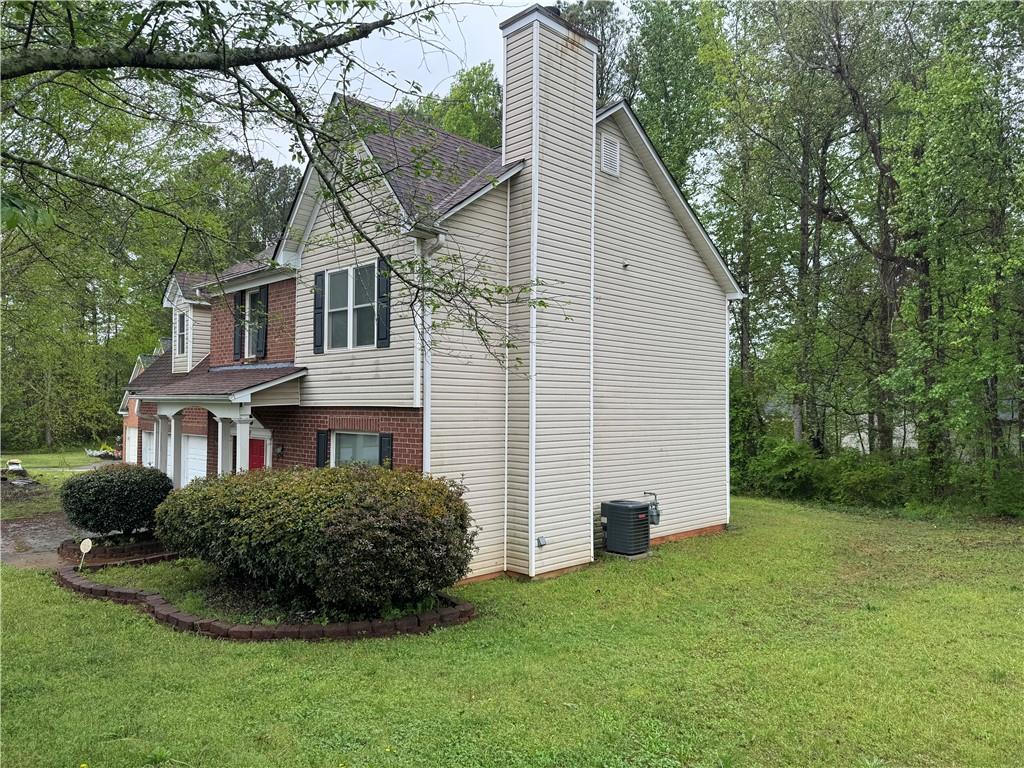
(351, 316)
(180, 332)
(255, 322)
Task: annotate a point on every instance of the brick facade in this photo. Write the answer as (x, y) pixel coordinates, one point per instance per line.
(280, 325)
(294, 428)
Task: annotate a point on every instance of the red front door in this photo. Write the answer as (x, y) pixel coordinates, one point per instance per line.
(257, 453)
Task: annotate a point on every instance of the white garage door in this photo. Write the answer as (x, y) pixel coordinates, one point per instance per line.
(148, 450)
(130, 449)
(194, 464)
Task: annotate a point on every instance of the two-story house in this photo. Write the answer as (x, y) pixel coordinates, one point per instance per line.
(315, 355)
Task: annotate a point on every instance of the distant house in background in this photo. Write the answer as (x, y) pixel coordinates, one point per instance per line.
(310, 355)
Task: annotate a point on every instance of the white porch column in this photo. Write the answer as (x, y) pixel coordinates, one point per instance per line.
(160, 439)
(179, 445)
(224, 457)
(242, 443)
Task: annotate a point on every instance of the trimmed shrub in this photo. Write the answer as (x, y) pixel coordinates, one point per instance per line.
(120, 497)
(357, 538)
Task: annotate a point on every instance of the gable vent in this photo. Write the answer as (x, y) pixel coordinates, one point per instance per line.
(609, 155)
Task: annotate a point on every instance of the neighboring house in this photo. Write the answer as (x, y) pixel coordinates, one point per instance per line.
(312, 355)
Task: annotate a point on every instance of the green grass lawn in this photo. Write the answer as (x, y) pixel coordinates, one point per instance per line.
(801, 637)
(49, 468)
(67, 458)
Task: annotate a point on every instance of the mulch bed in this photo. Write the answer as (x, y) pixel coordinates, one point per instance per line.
(165, 612)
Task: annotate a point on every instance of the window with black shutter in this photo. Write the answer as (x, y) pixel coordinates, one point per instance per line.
(318, 313)
(383, 303)
(323, 447)
(386, 448)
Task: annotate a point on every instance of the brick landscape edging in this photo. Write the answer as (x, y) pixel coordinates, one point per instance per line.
(68, 550)
(165, 612)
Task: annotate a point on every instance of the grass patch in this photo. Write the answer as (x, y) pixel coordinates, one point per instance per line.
(802, 637)
(43, 502)
(66, 458)
(21, 502)
(196, 588)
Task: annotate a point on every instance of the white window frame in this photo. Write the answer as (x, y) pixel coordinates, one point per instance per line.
(350, 309)
(181, 334)
(336, 432)
(249, 325)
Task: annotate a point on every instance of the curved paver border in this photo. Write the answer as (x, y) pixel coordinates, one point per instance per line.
(165, 612)
(102, 553)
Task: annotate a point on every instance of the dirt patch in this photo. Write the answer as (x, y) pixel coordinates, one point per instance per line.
(32, 542)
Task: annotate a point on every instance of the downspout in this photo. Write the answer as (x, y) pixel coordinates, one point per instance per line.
(426, 250)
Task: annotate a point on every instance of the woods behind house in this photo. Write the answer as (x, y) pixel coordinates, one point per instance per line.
(858, 164)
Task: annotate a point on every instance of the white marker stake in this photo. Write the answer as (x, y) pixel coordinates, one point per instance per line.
(85, 546)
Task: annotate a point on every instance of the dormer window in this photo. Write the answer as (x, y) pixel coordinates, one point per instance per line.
(180, 333)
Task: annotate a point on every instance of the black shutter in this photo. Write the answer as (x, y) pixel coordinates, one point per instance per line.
(262, 317)
(239, 324)
(318, 313)
(383, 303)
(323, 447)
(387, 441)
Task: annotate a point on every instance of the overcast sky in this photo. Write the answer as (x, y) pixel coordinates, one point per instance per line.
(464, 35)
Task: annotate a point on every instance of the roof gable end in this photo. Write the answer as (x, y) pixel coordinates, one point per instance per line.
(627, 122)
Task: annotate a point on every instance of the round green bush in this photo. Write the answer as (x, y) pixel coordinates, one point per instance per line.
(120, 497)
(359, 539)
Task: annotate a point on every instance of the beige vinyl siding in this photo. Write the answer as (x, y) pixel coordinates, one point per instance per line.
(562, 451)
(660, 356)
(519, 95)
(365, 376)
(180, 362)
(518, 546)
(199, 341)
(518, 146)
(467, 424)
(283, 394)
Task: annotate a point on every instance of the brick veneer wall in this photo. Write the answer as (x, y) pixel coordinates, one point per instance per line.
(295, 428)
(280, 325)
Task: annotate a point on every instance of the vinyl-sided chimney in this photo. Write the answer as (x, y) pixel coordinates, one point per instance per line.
(550, 101)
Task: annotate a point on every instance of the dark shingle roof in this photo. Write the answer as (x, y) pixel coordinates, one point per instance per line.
(423, 164)
(482, 179)
(158, 380)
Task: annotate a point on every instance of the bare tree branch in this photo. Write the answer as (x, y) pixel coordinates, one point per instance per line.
(113, 57)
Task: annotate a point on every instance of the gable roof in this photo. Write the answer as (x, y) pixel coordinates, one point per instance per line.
(627, 122)
(199, 287)
(423, 164)
(433, 173)
(428, 170)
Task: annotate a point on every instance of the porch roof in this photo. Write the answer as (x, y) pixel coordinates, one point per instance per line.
(159, 382)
